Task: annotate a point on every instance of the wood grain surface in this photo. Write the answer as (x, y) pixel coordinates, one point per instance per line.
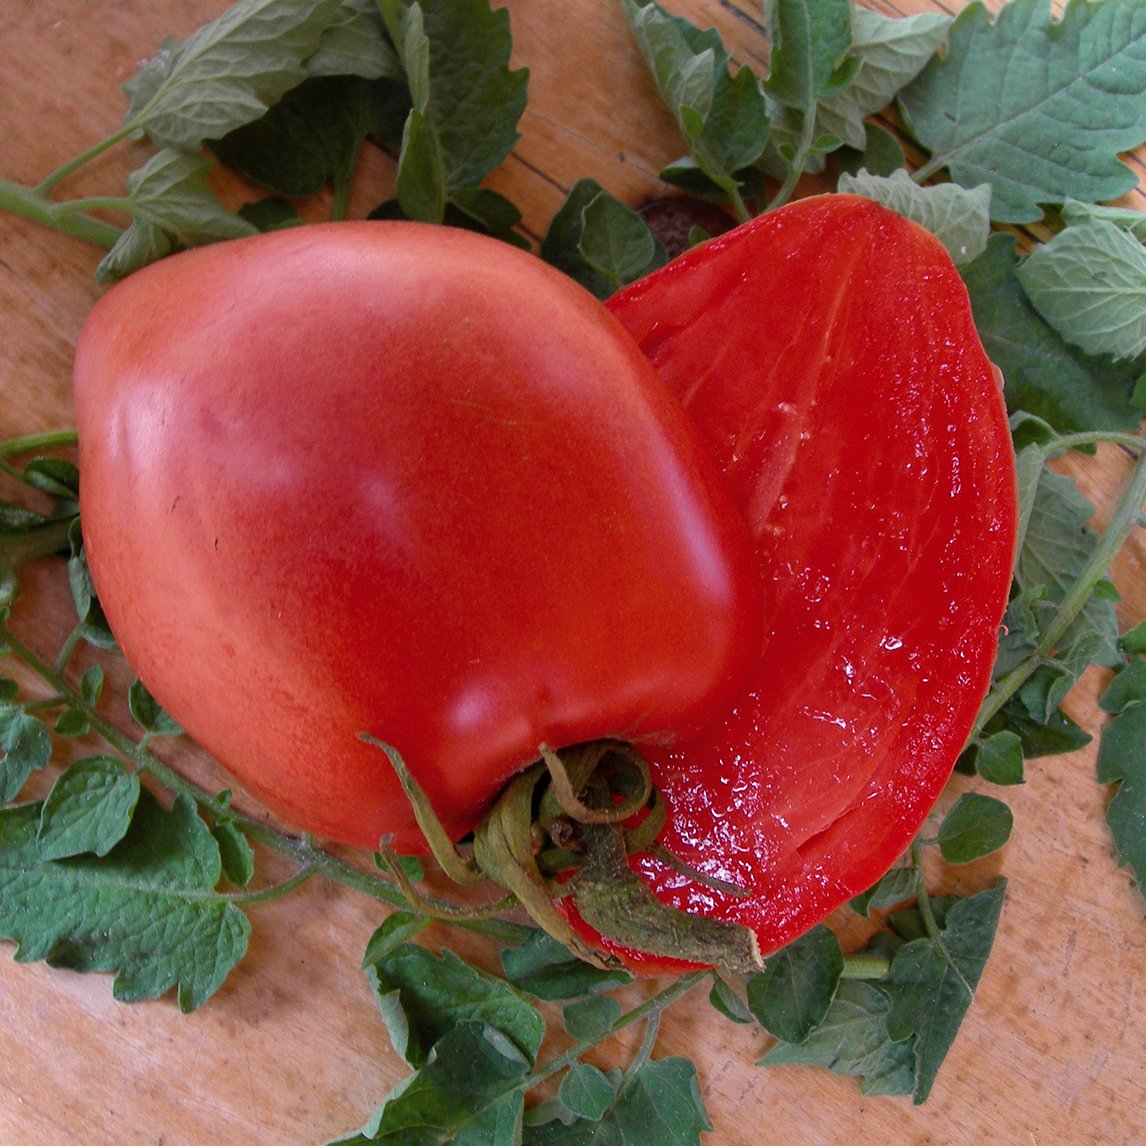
(291, 1051)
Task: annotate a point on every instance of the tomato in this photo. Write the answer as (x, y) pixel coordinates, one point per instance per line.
(401, 480)
(828, 354)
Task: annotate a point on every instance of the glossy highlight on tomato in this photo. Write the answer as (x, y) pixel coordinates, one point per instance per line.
(828, 355)
(401, 480)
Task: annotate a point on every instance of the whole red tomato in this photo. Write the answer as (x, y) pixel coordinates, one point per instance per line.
(828, 354)
(395, 479)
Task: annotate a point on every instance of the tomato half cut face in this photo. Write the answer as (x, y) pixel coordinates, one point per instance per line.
(401, 480)
(828, 355)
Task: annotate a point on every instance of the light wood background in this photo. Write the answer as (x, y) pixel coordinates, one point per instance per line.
(291, 1051)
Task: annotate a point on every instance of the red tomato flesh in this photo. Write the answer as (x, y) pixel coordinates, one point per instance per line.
(828, 355)
(402, 480)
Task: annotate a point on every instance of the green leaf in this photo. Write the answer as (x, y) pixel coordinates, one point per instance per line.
(590, 1018)
(146, 712)
(895, 887)
(235, 852)
(891, 53)
(723, 116)
(852, 1040)
(169, 196)
(958, 217)
(466, 99)
(999, 759)
(615, 241)
(1126, 218)
(227, 73)
(312, 136)
(1122, 762)
(587, 1092)
(728, 1002)
(470, 1075)
(1042, 374)
(975, 827)
(811, 40)
(932, 982)
(1089, 283)
(424, 996)
(1056, 547)
(792, 994)
(1051, 737)
(547, 970)
(396, 929)
(658, 1105)
(93, 624)
(145, 910)
(1038, 108)
(89, 808)
(25, 746)
(569, 246)
(354, 43)
(1134, 641)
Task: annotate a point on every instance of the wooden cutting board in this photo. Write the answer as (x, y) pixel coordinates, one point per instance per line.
(291, 1051)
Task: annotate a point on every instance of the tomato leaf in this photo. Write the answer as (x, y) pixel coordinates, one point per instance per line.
(1056, 547)
(354, 43)
(587, 1092)
(1089, 283)
(466, 99)
(466, 1092)
(89, 808)
(588, 1019)
(589, 225)
(811, 43)
(657, 1105)
(1121, 763)
(227, 73)
(147, 713)
(792, 994)
(425, 996)
(896, 887)
(1125, 218)
(313, 135)
(891, 53)
(144, 910)
(25, 747)
(723, 116)
(545, 969)
(999, 758)
(1038, 108)
(1042, 375)
(958, 217)
(172, 207)
(852, 1040)
(235, 852)
(932, 982)
(975, 827)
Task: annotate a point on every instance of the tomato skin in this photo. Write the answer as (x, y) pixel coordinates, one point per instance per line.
(401, 480)
(828, 354)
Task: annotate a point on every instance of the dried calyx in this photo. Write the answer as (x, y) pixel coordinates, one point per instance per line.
(566, 827)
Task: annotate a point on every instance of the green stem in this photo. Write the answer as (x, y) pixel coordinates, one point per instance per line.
(866, 966)
(651, 1007)
(47, 184)
(1093, 437)
(299, 850)
(1126, 518)
(922, 899)
(62, 217)
(33, 443)
(796, 167)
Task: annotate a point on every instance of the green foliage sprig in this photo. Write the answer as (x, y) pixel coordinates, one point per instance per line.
(126, 867)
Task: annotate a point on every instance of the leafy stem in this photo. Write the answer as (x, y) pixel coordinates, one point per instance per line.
(651, 1009)
(309, 859)
(1126, 518)
(923, 900)
(69, 218)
